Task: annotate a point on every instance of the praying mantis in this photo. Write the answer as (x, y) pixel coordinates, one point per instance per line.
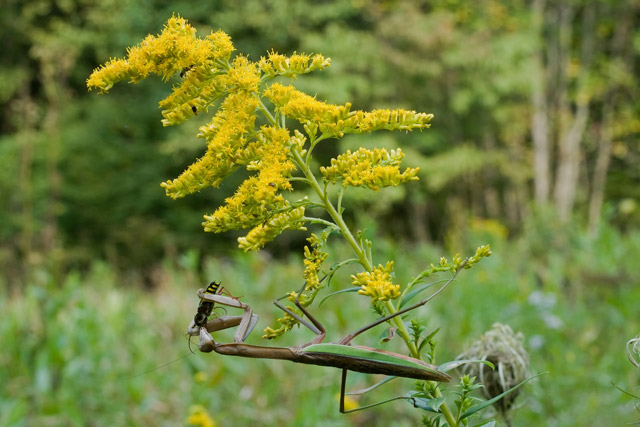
(340, 355)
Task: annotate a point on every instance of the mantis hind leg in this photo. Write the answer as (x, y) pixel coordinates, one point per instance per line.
(343, 387)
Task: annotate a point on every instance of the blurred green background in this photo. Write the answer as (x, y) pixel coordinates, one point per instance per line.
(533, 149)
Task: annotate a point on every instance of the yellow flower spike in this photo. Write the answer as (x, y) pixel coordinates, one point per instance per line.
(377, 284)
(201, 88)
(226, 137)
(257, 201)
(366, 168)
(264, 233)
(304, 108)
(314, 256)
(286, 324)
(481, 252)
(296, 64)
(166, 54)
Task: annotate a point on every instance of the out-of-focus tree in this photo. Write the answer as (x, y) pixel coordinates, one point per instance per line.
(536, 103)
(529, 97)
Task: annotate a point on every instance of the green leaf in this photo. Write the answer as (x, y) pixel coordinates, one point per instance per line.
(335, 267)
(341, 291)
(486, 403)
(626, 392)
(431, 405)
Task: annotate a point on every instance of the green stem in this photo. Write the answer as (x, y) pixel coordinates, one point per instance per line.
(266, 112)
(318, 220)
(335, 215)
(402, 330)
(448, 415)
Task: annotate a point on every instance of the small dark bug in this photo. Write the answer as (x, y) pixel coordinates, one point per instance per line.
(194, 109)
(185, 71)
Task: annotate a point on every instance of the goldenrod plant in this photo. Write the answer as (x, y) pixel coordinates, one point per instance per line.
(255, 127)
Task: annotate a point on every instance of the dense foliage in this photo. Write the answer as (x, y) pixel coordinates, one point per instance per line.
(80, 172)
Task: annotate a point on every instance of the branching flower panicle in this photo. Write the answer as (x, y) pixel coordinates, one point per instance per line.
(271, 154)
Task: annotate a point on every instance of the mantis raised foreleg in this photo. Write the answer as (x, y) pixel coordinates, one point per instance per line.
(338, 355)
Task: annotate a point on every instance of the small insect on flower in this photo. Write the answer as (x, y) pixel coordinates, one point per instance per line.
(185, 71)
(194, 109)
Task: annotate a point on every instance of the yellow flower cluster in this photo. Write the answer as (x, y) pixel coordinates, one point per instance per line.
(258, 200)
(286, 324)
(173, 50)
(264, 233)
(306, 109)
(366, 168)
(458, 261)
(314, 256)
(481, 252)
(199, 416)
(377, 283)
(338, 120)
(226, 135)
(291, 66)
(244, 75)
(202, 87)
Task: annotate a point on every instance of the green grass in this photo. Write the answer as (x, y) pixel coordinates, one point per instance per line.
(78, 352)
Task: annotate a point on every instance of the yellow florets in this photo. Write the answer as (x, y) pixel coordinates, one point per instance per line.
(366, 168)
(264, 233)
(226, 135)
(304, 108)
(173, 50)
(258, 199)
(338, 120)
(244, 75)
(200, 417)
(291, 66)
(377, 284)
(314, 256)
